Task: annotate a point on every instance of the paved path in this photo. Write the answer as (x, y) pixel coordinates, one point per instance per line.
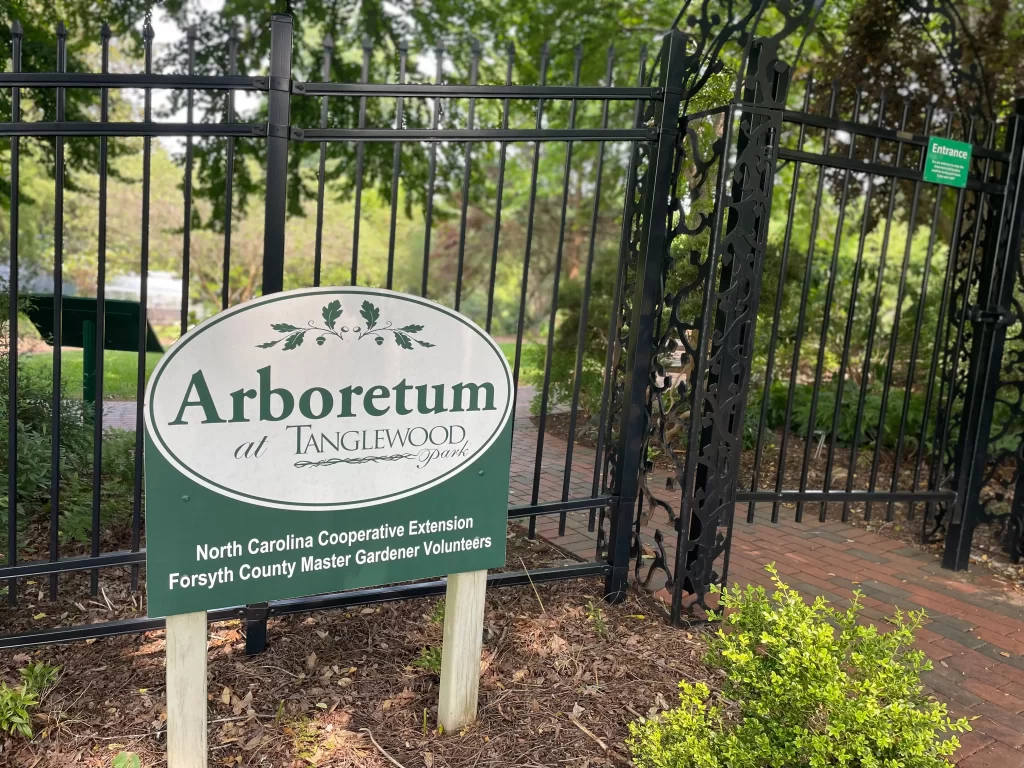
(975, 629)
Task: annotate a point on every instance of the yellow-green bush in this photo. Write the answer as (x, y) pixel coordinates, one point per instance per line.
(805, 685)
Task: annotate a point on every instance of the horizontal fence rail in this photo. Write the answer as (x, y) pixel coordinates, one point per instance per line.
(337, 600)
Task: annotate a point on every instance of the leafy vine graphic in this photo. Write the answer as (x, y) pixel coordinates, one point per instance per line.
(331, 313)
(358, 460)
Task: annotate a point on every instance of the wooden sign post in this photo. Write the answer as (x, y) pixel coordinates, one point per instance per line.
(186, 690)
(461, 648)
(321, 440)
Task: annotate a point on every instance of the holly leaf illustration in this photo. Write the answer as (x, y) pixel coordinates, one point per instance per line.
(412, 328)
(370, 314)
(295, 340)
(284, 327)
(331, 313)
(269, 344)
(403, 341)
(423, 343)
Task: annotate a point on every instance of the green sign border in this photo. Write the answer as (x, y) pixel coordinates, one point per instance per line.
(189, 471)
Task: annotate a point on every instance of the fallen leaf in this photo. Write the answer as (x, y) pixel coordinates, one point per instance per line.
(577, 710)
(428, 759)
(252, 743)
(225, 695)
(311, 661)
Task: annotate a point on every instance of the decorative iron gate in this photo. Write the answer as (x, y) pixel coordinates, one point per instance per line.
(949, 292)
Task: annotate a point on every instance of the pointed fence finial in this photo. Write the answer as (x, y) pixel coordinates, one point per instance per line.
(62, 31)
(147, 32)
(577, 51)
(367, 42)
(105, 31)
(16, 30)
(328, 42)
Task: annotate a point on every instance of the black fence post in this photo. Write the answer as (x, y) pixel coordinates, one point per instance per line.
(278, 128)
(646, 305)
(1004, 225)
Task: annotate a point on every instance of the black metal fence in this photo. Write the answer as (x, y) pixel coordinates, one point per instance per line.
(277, 137)
(872, 382)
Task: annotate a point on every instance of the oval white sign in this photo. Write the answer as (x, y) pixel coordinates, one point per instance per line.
(328, 398)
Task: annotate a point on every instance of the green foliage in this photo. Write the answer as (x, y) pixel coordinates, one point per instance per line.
(39, 676)
(16, 703)
(429, 659)
(805, 685)
(127, 760)
(437, 615)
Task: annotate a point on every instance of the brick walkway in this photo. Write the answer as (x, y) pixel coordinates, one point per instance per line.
(975, 629)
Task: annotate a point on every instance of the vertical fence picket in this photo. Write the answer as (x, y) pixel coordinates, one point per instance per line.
(556, 280)
(360, 161)
(396, 161)
(229, 175)
(428, 217)
(17, 34)
(474, 69)
(101, 295)
(510, 52)
(525, 285)
(140, 378)
(186, 243)
(581, 339)
(58, 290)
(321, 176)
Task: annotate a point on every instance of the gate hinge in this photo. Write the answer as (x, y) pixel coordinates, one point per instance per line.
(278, 131)
(996, 316)
(281, 84)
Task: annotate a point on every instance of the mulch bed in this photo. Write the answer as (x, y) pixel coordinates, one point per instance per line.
(563, 675)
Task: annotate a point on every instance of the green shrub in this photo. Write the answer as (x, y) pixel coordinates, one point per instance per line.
(805, 685)
(429, 660)
(16, 702)
(39, 677)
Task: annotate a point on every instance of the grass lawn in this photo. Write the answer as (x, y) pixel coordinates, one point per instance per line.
(509, 348)
(119, 371)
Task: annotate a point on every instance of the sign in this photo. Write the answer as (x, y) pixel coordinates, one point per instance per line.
(324, 439)
(947, 162)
